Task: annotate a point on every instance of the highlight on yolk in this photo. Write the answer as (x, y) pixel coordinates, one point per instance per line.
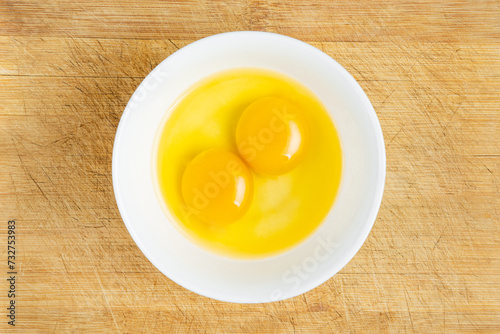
(217, 187)
(272, 136)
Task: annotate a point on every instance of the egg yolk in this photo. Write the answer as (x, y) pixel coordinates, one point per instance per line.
(217, 187)
(272, 136)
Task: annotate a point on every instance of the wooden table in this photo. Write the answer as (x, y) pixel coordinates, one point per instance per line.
(432, 71)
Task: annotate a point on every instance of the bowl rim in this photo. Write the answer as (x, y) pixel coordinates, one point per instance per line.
(375, 204)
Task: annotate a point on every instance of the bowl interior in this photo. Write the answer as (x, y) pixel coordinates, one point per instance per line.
(250, 281)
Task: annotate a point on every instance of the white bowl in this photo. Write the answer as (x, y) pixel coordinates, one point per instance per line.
(307, 265)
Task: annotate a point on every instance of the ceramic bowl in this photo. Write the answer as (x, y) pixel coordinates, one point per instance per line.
(321, 255)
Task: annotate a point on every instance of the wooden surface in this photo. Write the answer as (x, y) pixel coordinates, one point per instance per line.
(432, 71)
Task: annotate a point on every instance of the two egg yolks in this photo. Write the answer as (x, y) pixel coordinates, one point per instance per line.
(271, 136)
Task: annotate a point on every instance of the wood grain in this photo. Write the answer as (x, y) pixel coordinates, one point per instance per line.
(432, 71)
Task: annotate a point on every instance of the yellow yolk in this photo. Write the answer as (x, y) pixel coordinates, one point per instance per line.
(272, 136)
(217, 187)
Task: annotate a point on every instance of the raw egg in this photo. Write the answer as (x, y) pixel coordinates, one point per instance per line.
(272, 135)
(248, 163)
(217, 187)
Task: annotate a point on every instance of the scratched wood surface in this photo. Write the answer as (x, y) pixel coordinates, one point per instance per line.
(432, 71)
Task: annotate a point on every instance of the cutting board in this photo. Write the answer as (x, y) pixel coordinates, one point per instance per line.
(432, 72)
